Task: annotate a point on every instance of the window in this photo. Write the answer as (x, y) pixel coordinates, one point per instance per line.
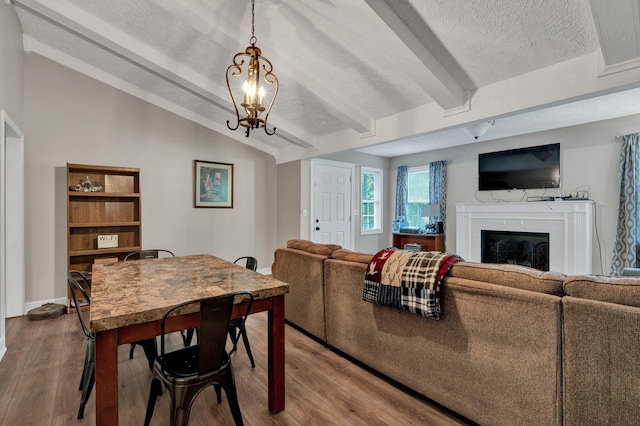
(418, 194)
(371, 201)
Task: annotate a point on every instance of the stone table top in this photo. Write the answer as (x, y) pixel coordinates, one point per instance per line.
(134, 292)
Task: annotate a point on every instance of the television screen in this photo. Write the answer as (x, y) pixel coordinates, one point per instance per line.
(522, 168)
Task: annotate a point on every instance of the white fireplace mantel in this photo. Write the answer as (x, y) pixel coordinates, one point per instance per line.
(569, 224)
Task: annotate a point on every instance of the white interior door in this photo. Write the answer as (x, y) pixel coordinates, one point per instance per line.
(332, 189)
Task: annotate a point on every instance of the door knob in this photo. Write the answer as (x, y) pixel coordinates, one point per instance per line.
(317, 228)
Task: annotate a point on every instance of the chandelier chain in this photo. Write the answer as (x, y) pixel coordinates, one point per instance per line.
(253, 22)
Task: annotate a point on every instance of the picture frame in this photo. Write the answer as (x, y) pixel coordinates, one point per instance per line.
(212, 184)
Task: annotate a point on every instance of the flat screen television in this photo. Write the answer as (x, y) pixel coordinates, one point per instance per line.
(522, 168)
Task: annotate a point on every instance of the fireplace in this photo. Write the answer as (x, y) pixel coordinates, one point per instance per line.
(568, 225)
(516, 248)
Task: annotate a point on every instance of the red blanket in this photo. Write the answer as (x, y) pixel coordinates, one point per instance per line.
(407, 280)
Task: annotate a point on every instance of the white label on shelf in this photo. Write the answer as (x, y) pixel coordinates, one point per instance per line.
(107, 241)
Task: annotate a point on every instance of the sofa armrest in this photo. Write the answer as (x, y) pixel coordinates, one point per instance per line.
(304, 272)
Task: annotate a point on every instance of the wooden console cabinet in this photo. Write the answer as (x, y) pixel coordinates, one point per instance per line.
(431, 242)
(111, 205)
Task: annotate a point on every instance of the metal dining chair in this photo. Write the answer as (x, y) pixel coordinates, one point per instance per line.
(186, 371)
(150, 352)
(78, 285)
(148, 254)
(249, 262)
(235, 331)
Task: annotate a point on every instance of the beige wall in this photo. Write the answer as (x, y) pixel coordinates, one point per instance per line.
(289, 207)
(72, 118)
(590, 155)
(295, 176)
(11, 63)
(69, 117)
(11, 100)
(373, 242)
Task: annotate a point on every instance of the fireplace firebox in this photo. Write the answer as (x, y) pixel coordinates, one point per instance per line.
(517, 248)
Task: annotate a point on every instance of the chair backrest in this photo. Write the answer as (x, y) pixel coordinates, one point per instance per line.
(148, 254)
(215, 314)
(78, 286)
(250, 262)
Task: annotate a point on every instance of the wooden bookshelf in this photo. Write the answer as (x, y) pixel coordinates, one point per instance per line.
(101, 200)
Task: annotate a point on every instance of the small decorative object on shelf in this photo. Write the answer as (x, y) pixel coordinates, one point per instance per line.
(87, 186)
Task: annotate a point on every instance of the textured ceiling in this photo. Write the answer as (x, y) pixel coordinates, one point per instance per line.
(496, 40)
(356, 74)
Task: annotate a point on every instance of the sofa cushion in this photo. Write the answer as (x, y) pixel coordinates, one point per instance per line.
(311, 247)
(514, 276)
(624, 291)
(352, 256)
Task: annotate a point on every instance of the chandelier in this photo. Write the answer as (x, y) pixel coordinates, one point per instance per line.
(259, 89)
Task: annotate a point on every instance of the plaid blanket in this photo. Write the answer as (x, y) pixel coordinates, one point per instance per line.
(407, 280)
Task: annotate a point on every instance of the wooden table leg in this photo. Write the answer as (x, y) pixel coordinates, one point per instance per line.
(107, 378)
(276, 355)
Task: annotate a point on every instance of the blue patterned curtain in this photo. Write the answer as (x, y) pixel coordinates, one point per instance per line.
(402, 191)
(438, 188)
(625, 252)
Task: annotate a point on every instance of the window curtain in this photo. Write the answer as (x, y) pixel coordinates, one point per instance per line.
(625, 252)
(402, 191)
(438, 189)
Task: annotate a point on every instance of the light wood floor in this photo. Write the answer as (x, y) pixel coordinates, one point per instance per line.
(40, 372)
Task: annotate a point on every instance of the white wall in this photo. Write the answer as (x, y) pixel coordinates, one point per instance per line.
(590, 157)
(72, 118)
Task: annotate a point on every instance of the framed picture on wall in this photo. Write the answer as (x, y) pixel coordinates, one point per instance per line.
(212, 184)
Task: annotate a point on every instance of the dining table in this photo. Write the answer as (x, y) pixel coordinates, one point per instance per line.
(128, 300)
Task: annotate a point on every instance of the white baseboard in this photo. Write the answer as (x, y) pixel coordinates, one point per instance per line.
(31, 305)
(3, 348)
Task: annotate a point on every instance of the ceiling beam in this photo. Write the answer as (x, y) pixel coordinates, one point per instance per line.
(392, 35)
(203, 17)
(116, 42)
(86, 26)
(617, 24)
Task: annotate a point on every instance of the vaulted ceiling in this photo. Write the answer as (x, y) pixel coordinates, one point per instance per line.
(387, 77)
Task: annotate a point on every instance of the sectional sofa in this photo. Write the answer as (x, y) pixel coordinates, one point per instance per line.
(514, 346)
